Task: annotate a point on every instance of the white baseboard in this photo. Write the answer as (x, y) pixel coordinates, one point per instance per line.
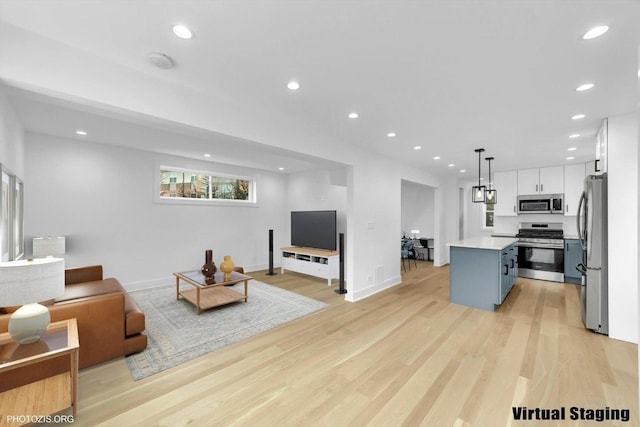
(352, 296)
(146, 284)
(171, 280)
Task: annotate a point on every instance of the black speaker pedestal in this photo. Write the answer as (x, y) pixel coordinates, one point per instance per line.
(341, 289)
(271, 272)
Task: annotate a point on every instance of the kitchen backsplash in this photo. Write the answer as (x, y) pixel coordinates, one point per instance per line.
(509, 224)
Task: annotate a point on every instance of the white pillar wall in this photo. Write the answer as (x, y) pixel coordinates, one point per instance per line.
(622, 153)
(374, 223)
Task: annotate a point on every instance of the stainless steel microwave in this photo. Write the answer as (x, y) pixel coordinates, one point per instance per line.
(541, 203)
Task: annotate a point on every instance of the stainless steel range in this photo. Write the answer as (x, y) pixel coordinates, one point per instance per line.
(541, 251)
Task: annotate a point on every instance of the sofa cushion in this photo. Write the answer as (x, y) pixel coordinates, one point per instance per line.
(87, 289)
(134, 323)
(91, 273)
(135, 344)
(134, 317)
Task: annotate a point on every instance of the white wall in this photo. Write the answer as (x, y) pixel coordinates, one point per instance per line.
(509, 224)
(473, 225)
(637, 192)
(417, 209)
(447, 208)
(317, 191)
(623, 226)
(373, 224)
(101, 198)
(11, 137)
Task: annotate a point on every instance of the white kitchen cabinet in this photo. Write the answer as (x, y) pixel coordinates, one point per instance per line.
(506, 183)
(573, 184)
(528, 181)
(552, 180)
(602, 142)
(549, 180)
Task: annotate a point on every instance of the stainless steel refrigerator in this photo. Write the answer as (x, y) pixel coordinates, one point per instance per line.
(592, 230)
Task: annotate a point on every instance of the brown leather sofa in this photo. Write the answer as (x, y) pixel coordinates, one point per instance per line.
(110, 325)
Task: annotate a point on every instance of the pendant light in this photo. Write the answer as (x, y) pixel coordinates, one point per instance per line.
(491, 195)
(478, 191)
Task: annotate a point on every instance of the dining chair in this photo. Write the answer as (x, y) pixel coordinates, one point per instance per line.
(407, 251)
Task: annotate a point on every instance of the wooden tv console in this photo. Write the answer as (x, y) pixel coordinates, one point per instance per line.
(314, 262)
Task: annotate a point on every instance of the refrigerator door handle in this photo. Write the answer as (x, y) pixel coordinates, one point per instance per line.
(581, 235)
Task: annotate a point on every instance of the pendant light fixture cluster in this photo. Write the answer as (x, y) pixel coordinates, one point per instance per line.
(481, 193)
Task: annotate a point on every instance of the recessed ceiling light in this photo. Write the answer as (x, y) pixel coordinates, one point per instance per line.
(182, 31)
(417, 147)
(578, 117)
(574, 135)
(81, 132)
(571, 149)
(391, 134)
(451, 165)
(436, 158)
(207, 155)
(570, 158)
(463, 170)
(293, 85)
(353, 115)
(281, 169)
(584, 87)
(595, 32)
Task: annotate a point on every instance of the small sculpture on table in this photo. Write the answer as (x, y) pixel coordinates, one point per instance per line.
(209, 268)
(227, 266)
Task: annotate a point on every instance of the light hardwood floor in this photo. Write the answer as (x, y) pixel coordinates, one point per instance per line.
(403, 357)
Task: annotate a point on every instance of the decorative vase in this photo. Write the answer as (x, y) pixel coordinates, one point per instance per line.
(227, 267)
(209, 268)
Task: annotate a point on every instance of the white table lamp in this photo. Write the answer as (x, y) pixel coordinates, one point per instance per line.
(26, 282)
(415, 232)
(48, 246)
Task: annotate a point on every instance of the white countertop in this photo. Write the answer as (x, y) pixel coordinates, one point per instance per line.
(571, 236)
(494, 243)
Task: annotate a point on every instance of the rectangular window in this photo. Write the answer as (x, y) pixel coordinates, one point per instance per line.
(11, 217)
(184, 184)
(487, 216)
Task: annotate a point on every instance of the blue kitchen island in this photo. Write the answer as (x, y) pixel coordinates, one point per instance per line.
(482, 271)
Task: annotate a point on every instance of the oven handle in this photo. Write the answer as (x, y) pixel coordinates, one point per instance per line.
(541, 245)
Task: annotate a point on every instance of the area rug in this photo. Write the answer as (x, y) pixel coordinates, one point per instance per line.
(176, 334)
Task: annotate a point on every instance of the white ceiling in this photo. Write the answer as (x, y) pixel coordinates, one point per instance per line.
(450, 76)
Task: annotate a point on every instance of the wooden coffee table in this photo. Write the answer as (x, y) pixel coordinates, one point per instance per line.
(205, 296)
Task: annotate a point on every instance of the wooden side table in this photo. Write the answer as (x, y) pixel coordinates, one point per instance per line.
(41, 401)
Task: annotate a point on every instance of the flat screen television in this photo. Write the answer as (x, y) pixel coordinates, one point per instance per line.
(314, 229)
